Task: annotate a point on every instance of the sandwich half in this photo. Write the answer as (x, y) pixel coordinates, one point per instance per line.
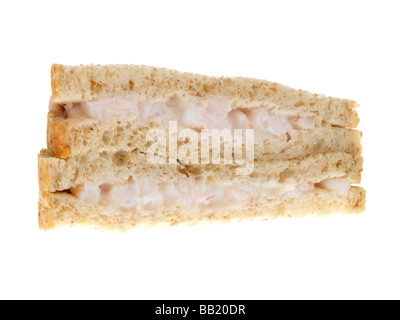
(305, 150)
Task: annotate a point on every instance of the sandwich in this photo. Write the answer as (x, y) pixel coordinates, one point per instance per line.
(132, 145)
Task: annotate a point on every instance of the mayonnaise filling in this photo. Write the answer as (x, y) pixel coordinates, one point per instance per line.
(194, 113)
(148, 194)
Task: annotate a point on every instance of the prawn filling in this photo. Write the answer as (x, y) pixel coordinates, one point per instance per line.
(195, 113)
(148, 194)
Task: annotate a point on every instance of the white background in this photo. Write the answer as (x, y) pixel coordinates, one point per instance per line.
(348, 49)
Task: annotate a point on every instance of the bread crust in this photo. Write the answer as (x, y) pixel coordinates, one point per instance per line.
(58, 136)
(45, 178)
(56, 71)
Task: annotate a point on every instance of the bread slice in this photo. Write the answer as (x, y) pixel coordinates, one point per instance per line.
(63, 209)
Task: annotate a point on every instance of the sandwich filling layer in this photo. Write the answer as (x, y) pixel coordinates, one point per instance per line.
(143, 195)
(195, 113)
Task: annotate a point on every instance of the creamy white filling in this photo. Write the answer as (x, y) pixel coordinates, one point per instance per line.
(195, 113)
(338, 185)
(149, 194)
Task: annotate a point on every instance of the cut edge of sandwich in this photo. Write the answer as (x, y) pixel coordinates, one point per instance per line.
(95, 163)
